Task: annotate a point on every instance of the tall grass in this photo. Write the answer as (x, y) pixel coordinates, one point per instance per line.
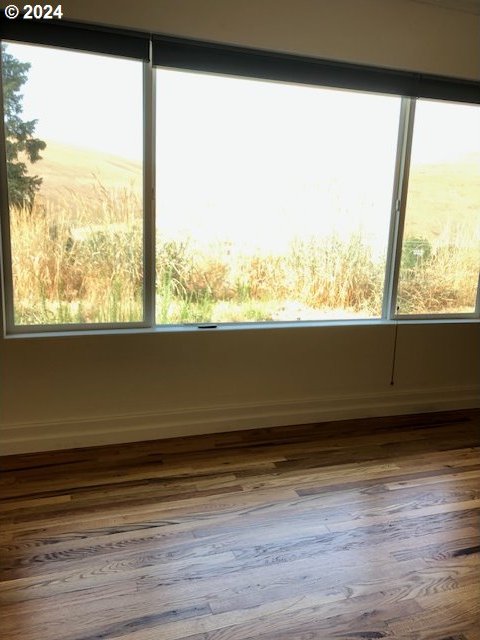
(443, 276)
(80, 260)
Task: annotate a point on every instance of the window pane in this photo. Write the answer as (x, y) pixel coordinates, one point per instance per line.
(273, 200)
(441, 247)
(74, 160)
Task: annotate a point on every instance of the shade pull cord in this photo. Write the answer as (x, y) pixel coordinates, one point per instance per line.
(394, 353)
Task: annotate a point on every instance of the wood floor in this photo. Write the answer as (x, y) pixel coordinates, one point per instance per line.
(360, 530)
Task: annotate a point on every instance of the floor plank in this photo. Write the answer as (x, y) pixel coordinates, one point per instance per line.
(356, 529)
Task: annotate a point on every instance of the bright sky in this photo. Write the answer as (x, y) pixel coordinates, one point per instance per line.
(267, 160)
(248, 159)
(84, 99)
(445, 132)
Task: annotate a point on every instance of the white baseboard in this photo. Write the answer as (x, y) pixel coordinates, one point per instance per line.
(91, 431)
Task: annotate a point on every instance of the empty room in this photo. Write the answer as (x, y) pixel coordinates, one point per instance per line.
(240, 320)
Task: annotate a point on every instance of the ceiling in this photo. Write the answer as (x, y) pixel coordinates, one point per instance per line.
(467, 6)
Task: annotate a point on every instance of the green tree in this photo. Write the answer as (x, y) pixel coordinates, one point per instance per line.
(19, 134)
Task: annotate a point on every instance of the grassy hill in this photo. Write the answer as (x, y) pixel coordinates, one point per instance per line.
(68, 170)
(444, 193)
(82, 260)
(435, 190)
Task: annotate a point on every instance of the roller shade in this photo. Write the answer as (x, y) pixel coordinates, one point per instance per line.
(251, 63)
(57, 33)
(238, 61)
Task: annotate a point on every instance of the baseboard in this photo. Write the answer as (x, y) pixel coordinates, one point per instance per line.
(74, 433)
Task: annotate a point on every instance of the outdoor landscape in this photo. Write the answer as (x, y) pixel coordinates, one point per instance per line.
(77, 256)
(77, 250)
(77, 253)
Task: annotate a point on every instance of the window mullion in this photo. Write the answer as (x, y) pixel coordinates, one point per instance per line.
(149, 194)
(5, 246)
(477, 305)
(399, 200)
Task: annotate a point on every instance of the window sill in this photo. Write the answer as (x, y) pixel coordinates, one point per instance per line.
(253, 326)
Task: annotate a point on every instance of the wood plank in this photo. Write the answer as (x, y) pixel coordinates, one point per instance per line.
(353, 529)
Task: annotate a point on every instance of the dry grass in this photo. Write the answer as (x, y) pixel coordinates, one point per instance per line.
(445, 279)
(314, 278)
(81, 261)
(78, 255)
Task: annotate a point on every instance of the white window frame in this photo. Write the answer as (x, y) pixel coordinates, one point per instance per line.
(148, 293)
(398, 223)
(392, 267)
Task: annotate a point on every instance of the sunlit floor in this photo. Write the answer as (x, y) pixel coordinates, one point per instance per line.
(359, 529)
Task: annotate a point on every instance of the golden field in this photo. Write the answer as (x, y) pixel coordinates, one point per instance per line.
(77, 256)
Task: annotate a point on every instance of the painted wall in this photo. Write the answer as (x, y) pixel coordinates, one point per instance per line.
(392, 33)
(82, 390)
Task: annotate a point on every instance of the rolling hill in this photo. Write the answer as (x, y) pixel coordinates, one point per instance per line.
(66, 170)
(435, 190)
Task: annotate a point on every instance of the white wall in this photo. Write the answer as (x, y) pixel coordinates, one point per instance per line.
(393, 33)
(82, 390)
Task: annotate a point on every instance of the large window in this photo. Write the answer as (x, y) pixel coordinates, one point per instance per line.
(441, 244)
(73, 126)
(273, 200)
(211, 185)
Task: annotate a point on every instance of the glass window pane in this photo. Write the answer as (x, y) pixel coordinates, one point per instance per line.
(273, 200)
(441, 247)
(74, 129)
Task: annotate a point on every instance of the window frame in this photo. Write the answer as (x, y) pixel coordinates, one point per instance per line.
(394, 315)
(148, 219)
(282, 63)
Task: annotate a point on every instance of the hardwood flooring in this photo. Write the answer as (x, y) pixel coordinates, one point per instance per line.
(349, 530)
